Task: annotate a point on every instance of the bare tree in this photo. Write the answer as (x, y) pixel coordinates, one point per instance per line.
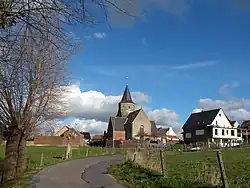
(34, 48)
(30, 89)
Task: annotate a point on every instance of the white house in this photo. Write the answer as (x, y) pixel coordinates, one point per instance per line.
(212, 126)
(167, 134)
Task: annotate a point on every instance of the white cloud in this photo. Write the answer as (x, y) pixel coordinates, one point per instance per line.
(236, 109)
(194, 65)
(165, 117)
(92, 109)
(100, 35)
(226, 88)
(135, 9)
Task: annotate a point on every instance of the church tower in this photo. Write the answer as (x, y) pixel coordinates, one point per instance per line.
(126, 105)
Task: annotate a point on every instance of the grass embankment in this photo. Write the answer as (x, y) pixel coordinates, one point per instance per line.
(139, 177)
(41, 157)
(186, 169)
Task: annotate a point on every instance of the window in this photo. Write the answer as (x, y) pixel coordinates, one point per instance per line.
(239, 132)
(223, 132)
(219, 114)
(188, 135)
(216, 123)
(227, 132)
(232, 132)
(216, 131)
(128, 107)
(199, 132)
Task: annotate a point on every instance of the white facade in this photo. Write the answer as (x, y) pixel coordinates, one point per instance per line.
(223, 131)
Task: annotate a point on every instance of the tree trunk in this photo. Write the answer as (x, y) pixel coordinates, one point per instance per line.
(22, 157)
(11, 155)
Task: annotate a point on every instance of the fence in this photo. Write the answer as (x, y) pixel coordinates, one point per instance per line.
(201, 166)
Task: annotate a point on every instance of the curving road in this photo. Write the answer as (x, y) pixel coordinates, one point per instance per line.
(82, 173)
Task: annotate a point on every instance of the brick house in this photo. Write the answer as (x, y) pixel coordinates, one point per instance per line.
(59, 139)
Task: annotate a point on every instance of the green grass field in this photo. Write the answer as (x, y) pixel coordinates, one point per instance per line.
(194, 169)
(51, 156)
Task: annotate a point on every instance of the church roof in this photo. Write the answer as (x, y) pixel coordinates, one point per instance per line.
(132, 115)
(118, 123)
(126, 98)
(153, 126)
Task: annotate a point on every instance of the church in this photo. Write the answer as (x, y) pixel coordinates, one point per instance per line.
(129, 123)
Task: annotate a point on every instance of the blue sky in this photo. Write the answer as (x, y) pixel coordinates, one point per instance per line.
(177, 55)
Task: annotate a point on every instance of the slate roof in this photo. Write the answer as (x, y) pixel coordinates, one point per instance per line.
(245, 124)
(98, 137)
(153, 127)
(232, 122)
(86, 135)
(131, 117)
(118, 123)
(126, 98)
(201, 118)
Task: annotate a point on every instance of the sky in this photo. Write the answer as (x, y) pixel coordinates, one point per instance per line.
(177, 56)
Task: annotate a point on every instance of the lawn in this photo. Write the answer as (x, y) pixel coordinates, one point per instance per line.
(41, 157)
(191, 169)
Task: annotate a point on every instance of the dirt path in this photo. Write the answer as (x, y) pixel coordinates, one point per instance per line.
(83, 173)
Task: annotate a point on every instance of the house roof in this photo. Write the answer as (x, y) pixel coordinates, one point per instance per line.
(232, 122)
(86, 135)
(62, 131)
(201, 118)
(131, 117)
(118, 123)
(98, 137)
(126, 98)
(245, 124)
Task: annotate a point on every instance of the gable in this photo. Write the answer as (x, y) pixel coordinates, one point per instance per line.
(201, 118)
(221, 120)
(141, 116)
(62, 131)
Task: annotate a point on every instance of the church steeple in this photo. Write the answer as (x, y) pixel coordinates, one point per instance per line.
(126, 98)
(126, 105)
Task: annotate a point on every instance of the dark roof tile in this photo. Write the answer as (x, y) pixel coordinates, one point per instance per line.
(118, 123)
(131, 117)
(201, 118)
(126, 98)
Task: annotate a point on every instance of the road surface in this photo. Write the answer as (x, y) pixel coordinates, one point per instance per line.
(82, 173)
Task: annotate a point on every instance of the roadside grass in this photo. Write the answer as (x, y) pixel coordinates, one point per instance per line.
(139, 177)
(189, 169)
(43, 156)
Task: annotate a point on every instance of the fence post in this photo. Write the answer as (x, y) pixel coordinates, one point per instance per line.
(222, 170)
(134, 157)
(87, 152)
(162, 165)
(41, 162)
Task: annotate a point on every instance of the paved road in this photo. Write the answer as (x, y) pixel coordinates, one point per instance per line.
(83, 173)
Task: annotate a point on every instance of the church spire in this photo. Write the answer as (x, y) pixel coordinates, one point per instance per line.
(126, 98)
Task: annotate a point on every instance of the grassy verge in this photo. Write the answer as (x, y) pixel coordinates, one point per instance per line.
(41, 157)
(138, 177)
(201, 166)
